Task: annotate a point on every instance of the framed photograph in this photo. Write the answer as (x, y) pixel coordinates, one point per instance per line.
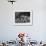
(23, 18)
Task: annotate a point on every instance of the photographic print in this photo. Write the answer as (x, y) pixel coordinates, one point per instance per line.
(23, 18)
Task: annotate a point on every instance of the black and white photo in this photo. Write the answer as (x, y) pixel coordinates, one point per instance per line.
(23, 18)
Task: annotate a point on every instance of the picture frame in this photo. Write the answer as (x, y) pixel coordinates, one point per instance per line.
(24, 18)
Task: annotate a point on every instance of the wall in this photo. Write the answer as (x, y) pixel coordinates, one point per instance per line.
(9, 31)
